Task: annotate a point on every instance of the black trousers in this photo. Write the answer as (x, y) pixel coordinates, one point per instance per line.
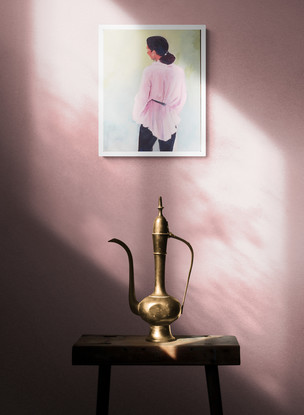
(147, 140)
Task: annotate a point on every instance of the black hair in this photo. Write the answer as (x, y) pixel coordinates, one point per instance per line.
(161, 47)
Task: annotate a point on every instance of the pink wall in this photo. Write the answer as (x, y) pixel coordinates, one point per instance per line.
(240, 207)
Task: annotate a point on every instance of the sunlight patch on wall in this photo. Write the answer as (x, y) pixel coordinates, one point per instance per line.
(67, 190)
(237, 217)
(60, 37)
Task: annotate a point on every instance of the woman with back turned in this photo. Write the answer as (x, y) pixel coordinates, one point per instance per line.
(161, 97)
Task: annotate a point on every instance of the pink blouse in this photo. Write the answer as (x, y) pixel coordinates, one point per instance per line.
(165, 84)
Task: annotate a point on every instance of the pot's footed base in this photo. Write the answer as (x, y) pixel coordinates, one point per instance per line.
(160, 334)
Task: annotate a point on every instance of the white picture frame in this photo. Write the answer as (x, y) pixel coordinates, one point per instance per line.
(122, 59)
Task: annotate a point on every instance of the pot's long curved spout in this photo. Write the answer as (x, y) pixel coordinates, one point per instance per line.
(132, 298)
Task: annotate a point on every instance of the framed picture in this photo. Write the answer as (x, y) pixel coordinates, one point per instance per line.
(152, 90)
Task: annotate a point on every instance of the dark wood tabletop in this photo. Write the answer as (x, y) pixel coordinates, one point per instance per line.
(136, 350)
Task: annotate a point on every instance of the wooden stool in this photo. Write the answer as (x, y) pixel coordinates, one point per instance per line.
(208, 351)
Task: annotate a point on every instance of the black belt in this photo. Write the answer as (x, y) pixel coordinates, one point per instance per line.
(161, 103)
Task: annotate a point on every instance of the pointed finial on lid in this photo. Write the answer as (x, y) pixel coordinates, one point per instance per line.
(160, 206)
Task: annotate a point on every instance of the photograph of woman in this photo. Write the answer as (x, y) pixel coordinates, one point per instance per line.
(160, 99)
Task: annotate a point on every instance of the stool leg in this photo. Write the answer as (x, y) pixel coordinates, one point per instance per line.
(103, 390)
(214, 391)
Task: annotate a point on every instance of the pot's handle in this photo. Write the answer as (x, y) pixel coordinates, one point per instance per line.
(192, 256)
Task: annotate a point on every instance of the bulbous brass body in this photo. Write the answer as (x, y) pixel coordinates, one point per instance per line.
(159, 309)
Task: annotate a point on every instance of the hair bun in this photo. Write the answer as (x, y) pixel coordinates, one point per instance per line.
(167, 59)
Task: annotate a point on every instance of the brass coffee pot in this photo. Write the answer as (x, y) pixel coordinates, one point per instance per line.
(159, 309)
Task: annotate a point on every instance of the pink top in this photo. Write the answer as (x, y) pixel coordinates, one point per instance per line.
(166, 84)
